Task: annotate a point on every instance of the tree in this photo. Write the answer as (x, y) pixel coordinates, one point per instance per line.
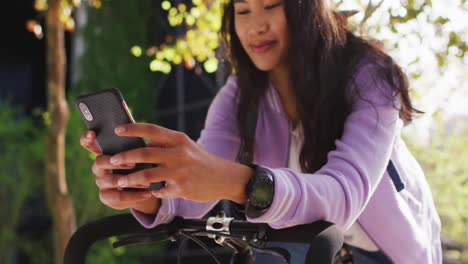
(58, 18)
(60, 204)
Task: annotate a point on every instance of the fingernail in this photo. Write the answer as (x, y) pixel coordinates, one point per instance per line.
(155, 194)
(122, 182)
(115, 160)
(119, 129)
(89, 136)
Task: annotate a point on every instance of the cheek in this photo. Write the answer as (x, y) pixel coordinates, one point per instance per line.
(285, 40)
(240, 33)
(282, 28)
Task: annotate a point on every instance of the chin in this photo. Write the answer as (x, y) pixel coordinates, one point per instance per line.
(263, 66)
(265, 63)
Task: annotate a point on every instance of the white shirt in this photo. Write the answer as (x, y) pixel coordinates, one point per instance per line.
(355, 235)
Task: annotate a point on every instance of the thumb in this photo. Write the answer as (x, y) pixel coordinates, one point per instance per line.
(154, 132)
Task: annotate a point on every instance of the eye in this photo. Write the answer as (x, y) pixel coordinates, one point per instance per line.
(269, 7)
(243, 12)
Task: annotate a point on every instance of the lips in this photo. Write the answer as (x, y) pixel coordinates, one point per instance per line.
(263, 46)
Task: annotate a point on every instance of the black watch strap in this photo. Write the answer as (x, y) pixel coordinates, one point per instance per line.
(256, 206)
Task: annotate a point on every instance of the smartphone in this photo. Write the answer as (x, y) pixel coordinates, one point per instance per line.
(102, 112)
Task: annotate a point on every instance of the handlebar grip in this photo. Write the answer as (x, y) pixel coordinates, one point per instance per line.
(239, 227)
(82, 240)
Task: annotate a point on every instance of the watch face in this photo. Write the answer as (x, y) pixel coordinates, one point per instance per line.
(262, 193)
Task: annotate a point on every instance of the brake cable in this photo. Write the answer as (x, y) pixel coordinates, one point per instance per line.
(200, 243)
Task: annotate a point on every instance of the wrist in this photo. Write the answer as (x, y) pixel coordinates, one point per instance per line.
(149, 207)
(260, 191)
(241, 174)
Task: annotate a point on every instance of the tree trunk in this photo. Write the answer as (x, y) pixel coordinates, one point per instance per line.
(60, 205)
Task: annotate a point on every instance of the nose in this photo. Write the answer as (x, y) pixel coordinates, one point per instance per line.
(258, 27)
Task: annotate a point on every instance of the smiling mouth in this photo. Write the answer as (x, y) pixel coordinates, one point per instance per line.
(263, 46)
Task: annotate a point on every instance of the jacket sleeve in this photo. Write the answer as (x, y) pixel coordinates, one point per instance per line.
(340, 190)
(220, 137)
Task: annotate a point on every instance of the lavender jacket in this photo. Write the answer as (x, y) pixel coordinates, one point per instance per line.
(352, 186)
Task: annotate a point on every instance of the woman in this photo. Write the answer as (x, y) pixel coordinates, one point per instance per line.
(330, 107)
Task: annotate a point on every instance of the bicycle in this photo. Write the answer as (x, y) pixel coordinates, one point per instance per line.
(245, 238)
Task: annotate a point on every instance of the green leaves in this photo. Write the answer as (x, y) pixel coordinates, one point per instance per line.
(445, 166)
(21, 160)
(66, 17)
(201, 23)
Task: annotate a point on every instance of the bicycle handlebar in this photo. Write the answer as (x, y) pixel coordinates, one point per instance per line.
(324, 238)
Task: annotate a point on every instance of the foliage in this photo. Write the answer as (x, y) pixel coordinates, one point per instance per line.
(197, 24)
(66, 15)
(426, 37)
(108, 34)
(444, 162)
(21, 177)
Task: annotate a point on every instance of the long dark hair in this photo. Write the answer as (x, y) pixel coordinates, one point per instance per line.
(323, 55)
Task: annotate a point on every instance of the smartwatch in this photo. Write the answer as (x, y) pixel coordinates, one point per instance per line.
(260, 191)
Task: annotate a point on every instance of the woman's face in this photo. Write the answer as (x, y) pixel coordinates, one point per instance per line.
(262, 30)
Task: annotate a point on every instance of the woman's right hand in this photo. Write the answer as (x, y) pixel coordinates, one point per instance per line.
(110, 192)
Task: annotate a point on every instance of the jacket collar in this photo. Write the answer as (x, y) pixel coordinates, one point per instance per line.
(273, 100)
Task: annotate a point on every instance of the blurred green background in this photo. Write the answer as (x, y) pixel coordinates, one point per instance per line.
(150, 49)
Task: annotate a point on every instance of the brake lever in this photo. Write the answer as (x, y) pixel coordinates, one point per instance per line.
(140, 239)
(162, 232)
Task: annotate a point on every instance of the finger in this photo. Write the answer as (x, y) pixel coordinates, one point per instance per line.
(98, 172)
(115, 197)
(168, 191)
(146, 177)
(102, 165)
(88, 141)
(155, 144)
(144, 155)
(156, 133)
(107, 181)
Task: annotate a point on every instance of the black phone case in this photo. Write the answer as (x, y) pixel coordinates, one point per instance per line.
(108, 109)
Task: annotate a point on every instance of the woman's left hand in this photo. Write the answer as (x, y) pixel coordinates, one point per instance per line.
(190, 171)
